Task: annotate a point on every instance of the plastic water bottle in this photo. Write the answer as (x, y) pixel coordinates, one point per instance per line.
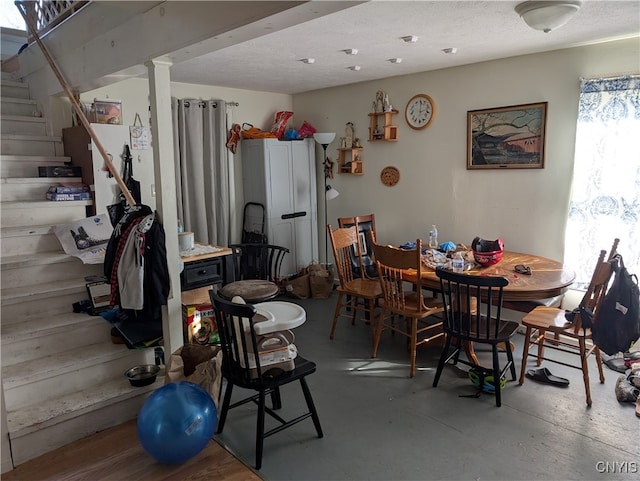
(433, 237)
(457, 263)
(180, 227)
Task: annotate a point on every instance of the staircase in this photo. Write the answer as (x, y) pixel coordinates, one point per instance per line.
(62, 376)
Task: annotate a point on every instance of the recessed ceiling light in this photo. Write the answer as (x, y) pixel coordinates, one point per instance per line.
(351, 51)
(308, 60)
(395, 60)
(354, 67)
(450, 50)
(410, 38)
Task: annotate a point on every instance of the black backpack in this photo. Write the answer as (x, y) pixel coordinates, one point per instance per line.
(618, 319)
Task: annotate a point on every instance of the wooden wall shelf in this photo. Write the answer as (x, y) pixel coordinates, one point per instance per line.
(350, 161)
(387, 132)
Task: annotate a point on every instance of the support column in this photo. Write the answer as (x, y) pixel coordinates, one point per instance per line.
(166, 205)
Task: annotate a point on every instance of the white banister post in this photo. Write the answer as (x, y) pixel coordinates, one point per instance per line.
(166, 205)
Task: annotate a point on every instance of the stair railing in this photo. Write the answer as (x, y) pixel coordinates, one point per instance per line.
(29, 19)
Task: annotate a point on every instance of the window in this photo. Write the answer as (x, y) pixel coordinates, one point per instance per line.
(10, 16)
(605, 197)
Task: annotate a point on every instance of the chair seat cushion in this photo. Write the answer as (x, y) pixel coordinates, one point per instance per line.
(251, 290)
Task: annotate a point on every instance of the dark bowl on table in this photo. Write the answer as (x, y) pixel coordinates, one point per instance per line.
(142, 375)
(487, 253)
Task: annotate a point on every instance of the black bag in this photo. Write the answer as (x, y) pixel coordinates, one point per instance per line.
(618, 319)
(116, 211)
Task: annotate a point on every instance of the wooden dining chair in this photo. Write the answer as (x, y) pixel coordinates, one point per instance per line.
(473, 314)
(548, 328)
(365, 263)
(422, 323)
(354, 293)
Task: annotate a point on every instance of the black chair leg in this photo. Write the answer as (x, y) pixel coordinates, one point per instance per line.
(510, 359)
(443, 358)
(276, 400)
(225, 407)
(260, 428)
(496, 374)
(311, 406)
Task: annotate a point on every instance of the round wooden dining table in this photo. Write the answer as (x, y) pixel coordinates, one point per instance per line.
(548, 278)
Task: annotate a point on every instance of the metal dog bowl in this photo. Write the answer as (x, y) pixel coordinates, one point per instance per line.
(142, 375)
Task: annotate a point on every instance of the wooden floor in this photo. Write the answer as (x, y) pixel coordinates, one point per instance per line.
(116, 454)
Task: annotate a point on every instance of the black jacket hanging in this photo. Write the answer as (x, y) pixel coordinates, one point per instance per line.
(117, 210)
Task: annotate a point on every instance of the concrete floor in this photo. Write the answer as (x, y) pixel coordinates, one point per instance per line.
(381, 425)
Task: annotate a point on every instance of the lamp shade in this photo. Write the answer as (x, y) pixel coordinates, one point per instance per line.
(331, 193)
(547, 15)
(324, 138)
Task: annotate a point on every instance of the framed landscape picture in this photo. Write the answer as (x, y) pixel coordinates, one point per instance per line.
(507, 137)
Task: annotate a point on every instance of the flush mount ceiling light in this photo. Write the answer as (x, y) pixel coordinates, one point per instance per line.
(351, 51)
(308, 60)
(354, 67)
(410, 38)
(547, 15)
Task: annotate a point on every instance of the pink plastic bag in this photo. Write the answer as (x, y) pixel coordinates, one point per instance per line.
(306, 130)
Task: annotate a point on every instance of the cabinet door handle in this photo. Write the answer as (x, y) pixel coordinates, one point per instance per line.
(294, 215)
(202, 272)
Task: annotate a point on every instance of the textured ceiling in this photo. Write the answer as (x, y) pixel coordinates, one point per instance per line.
(479, 30)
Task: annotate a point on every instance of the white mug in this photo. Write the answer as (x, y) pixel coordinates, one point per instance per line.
(185, 241)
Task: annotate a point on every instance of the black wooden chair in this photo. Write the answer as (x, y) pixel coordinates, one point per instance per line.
(473, 308)
(241, 367)
(256, 272)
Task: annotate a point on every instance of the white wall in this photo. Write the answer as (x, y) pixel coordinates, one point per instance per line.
(526, 207)
(256, 108)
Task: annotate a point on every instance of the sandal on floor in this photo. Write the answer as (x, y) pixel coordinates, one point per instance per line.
(625, 391)
(544, 375)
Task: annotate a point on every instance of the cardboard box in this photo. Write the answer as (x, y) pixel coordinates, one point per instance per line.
(199, 323)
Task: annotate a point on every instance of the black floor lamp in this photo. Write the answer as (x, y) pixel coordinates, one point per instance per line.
(325, 139)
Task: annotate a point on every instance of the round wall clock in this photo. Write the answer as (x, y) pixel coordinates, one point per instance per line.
(420, 111)
(390, 176)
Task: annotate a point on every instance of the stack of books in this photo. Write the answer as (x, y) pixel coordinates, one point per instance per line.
(69, 191)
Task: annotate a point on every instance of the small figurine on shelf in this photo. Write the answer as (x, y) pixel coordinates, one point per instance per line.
(380, 101)
(356, 143)
(343, 142)
(349, 135)
(328, 168)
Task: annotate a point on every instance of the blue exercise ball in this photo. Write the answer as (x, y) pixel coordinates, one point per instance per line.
(176, 422)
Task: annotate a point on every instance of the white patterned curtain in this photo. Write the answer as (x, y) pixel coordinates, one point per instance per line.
(203, 190)
(605, 197)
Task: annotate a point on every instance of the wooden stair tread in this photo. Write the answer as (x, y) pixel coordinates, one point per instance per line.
(31, 138)
(40, 180)
(36, 158)
(43, 204)
(22, 118)
(24, 421)
(41, 291)
(45, 367)
(36, 259)
(20, 231)
(39, 326)
(18, 100)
